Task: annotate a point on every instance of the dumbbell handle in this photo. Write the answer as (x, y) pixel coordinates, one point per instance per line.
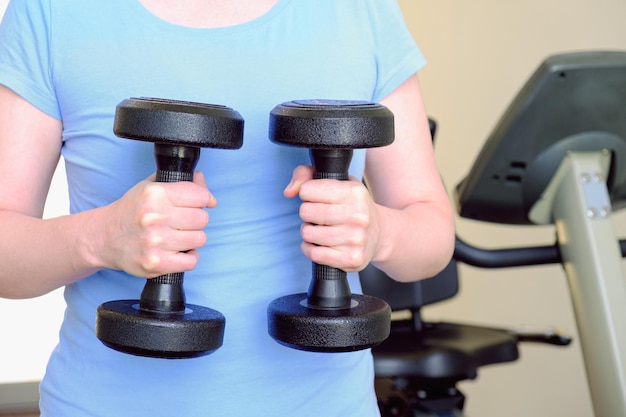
(329, 286)
(165, 293)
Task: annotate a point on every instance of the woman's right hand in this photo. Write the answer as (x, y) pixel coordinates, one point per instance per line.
(156, 228)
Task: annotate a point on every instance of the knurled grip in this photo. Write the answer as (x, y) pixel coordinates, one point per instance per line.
(165, 293)
(329, 286)
(172, 278)
(173, 176)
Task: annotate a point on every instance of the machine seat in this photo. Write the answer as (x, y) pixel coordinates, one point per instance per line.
(441, 352)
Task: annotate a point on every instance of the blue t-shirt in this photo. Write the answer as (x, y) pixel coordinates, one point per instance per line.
(76, 60)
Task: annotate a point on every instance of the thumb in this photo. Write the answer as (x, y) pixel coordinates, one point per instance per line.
(301, 174)
(199, 179)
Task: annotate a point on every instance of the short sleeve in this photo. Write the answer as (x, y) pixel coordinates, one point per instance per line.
(25, 53)
(397, 55)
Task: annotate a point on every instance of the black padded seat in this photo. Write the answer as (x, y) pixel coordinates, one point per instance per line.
(441, 352)
(418, 366)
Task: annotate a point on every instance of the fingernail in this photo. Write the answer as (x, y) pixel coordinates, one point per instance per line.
(290, 185)
(212, 200)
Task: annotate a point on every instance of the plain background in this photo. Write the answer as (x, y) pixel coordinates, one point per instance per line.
(480, 53)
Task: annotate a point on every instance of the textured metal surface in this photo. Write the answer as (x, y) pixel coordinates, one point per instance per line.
(161, 324)
(179, 122)
(329, 318)
(331, 124)
(120, 325)
(364, 325)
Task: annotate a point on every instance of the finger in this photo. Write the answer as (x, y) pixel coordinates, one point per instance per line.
(324, 214)
(300, 175)
(184, 240)
(332, 191)
(189, 194)
(172, 262)
(189, 218)
(163, 240)
(335, 214)
(346, 260)
(333, 236)
(198, 178)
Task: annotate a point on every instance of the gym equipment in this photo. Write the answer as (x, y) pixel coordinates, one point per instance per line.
(419, 366)
(557, 157)
(161, 324)
(329, 318)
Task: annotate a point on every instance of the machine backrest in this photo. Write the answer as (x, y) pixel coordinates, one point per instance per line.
(413, 295)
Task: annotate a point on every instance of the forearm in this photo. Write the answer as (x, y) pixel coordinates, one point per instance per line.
(414, 219)
(42, 255)
(154, 229)
(415, 242)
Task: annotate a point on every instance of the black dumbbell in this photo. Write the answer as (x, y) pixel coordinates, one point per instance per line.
(329, 318)
(160, 324)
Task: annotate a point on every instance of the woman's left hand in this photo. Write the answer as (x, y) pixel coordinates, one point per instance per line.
(340, 220)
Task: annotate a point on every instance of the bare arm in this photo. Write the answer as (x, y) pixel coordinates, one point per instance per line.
(405, 226)
(416, 236)
(154, 229)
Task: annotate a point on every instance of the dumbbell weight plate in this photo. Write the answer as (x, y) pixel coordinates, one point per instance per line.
(331, 124)
(179, 122)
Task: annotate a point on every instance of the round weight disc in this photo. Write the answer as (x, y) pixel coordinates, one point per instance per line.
(179, 123)
(120, 325)
(362, 326)
(331, 124)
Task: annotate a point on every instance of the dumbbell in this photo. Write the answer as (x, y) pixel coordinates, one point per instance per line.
(161, 324)
(329, 318)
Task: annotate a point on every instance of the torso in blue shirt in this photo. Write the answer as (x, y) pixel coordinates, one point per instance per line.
(76, 60)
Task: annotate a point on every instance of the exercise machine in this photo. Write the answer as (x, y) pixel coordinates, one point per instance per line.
(556, 157)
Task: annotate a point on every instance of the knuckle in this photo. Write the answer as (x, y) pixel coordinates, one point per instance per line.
(358, 238)
(150, 262)
(152, 192)
(358, 190)
(356, 258)
(360, 218)
(146, 219)
(153, 239)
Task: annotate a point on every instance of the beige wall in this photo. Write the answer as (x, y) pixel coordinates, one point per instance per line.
(480, 52)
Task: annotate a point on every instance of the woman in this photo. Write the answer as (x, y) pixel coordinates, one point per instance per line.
(65, 64)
